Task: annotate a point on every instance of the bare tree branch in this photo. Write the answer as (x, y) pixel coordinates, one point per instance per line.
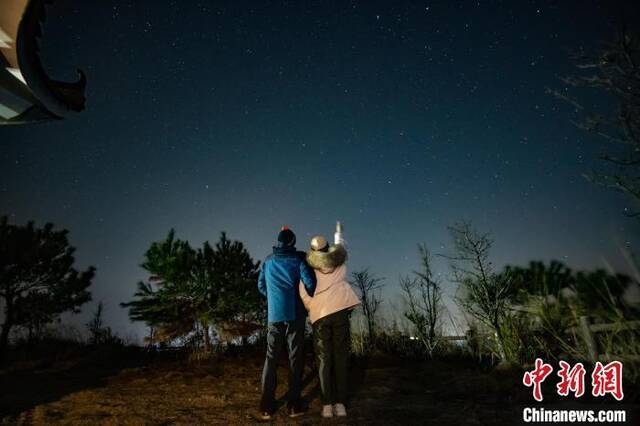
(368, 285)
(613, 70)
(485, 293)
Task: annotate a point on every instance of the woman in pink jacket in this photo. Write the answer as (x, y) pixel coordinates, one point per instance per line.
(329, 311)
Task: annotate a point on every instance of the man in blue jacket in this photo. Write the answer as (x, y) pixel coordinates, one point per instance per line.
(279, 279)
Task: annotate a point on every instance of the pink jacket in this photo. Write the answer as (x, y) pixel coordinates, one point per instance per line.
(333, 293)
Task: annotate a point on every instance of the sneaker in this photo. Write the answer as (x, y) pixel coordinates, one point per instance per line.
(295, 410)
(327, 411)
(265, 415)
(340, 410)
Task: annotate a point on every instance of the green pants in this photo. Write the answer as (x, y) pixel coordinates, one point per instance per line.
(332, 345)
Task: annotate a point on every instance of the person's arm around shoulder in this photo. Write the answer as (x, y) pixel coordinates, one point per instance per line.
(306, 299)
(308, 277)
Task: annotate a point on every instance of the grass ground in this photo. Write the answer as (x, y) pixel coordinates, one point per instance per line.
(225, 390)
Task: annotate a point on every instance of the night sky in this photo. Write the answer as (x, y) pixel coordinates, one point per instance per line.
(397, 118)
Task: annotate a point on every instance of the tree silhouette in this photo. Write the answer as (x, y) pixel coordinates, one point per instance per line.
(614, 71)
(170, 300)
(236, 275)
(37, 278)
(99, 333)
(368, 285)
(547, 302)
(484, 293)
(189, 291)
(424, 301)
(538, 279)
(592, 292)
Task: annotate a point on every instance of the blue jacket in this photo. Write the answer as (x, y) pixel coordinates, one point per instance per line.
(279, 279)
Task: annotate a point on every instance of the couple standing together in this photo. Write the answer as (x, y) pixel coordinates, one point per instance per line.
(295, 283)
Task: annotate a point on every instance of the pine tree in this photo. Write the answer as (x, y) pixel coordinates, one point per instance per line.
(168, 300)
(37, 278)
(236, 275)
(190, 291)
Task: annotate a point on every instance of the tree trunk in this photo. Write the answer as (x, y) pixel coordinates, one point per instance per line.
(371, 332)
(6, 328)
(152, 336)
(431, 338)
(4, 339)
(207, 340)
(500, 341)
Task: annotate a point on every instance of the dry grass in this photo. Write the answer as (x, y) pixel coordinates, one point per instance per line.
(385, 390)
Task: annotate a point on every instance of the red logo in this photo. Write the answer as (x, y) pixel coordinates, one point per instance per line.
(605, 379)
(536, 377)
(571, 379)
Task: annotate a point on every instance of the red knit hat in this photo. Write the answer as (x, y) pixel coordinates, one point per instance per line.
(286, 237)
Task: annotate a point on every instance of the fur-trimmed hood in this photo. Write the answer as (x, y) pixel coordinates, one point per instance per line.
(327, 261)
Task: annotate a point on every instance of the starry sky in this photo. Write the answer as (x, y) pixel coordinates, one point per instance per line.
(397, 118)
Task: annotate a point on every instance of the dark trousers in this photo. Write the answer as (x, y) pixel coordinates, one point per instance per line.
(279, 333)
(332, 345)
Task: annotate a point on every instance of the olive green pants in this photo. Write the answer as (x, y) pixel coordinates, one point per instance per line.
(332, 345)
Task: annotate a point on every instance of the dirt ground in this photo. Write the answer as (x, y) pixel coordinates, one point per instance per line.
(225, 390)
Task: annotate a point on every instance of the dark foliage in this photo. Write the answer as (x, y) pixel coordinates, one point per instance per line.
(37, 278)
(593, 291)
(189, 291)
